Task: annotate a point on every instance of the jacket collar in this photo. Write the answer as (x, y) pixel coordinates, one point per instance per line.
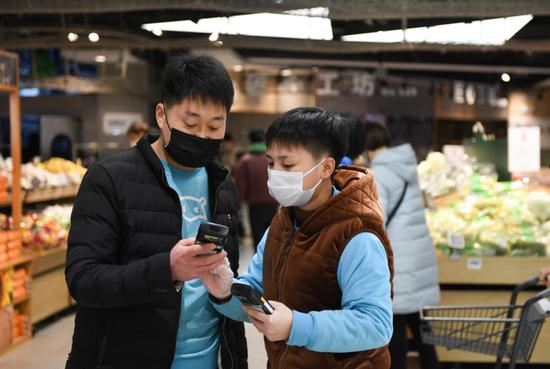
(358, 197)
(217, 173)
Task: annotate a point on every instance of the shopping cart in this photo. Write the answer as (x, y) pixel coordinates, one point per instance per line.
(505, 331)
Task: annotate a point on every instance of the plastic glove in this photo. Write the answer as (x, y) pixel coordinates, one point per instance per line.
(219, 281)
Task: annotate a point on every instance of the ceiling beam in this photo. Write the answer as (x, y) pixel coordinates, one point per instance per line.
(424, 67)
(261, 43)
(339, 9)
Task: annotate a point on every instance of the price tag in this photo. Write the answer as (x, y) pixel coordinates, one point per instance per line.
(456, 241)
(475, 263)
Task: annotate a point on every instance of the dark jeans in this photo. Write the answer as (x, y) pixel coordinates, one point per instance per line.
(399, 345)
(260, 220)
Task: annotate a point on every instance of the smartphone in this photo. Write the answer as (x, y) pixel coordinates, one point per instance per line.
(250, 296)
(212, 233)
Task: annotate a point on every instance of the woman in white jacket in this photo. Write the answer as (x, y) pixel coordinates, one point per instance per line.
(416, 277)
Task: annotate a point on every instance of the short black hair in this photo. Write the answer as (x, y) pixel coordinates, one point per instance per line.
(202, 78)
(318, 131)
(256, 135)
(356, 138)
(376, 136)
(228, 136)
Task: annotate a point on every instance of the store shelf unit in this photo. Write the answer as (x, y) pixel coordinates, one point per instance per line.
(19, 305)
(16, 310)
(49, 294)
(46, 195)
(488, 281)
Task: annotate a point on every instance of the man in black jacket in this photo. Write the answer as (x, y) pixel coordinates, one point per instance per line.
(132, 263)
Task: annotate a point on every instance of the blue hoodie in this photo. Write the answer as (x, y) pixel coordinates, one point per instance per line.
(365, 320)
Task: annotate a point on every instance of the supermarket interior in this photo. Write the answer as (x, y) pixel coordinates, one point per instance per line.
(465, 83)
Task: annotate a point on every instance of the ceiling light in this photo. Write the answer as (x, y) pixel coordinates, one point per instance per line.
(485, 32)
(310, 12)
(214, 36)
(157, 32)
(259, 24)
(286, 72)
(72, 37)
(100, 58)
(93, 37)
(505, 77)
(238, 68)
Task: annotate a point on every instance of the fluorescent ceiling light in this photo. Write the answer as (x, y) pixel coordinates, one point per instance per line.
(310, 12)
(486, 32)
(260, 24)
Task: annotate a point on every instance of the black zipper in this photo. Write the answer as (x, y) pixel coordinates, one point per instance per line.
(224, 337)
(176, 198)
(103, 344)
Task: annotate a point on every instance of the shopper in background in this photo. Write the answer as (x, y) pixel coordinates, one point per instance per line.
(416, 275)
(251, 179)
(544, 276)
(132, 264)
(227, 151)
(356, 141)
(325, 262)
(136, 131)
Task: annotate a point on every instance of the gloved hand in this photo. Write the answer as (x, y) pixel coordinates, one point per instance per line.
(219, 281)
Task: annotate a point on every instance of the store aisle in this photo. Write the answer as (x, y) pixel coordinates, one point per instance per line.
(50, 345)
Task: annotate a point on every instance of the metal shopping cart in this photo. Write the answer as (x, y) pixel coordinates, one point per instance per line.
(505, 331)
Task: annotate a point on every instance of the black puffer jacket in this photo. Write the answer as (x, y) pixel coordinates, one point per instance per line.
(125, 221)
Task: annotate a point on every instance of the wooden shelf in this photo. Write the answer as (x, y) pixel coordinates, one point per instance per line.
(26, 257)
(50, 194)
(50, 259)
(489, 270)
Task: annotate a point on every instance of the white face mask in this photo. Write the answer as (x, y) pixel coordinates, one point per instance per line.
(288, 187)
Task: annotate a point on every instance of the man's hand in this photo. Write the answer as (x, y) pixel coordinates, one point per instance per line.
(544, 276)
(186, 262)
(219, 281)
(275, 327)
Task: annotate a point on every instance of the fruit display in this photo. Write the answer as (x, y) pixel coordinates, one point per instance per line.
(438, 177)
(435, 176)
(46, 230)
(10, 245)
(494, 220)
(53, 173)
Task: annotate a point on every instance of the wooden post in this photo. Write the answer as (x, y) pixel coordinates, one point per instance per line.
(12, 87)
(15, 144)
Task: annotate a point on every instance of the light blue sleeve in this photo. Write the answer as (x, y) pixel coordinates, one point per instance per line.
(365, 320)
(253, 277)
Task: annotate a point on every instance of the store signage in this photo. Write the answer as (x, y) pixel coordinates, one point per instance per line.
(8, 70)
(524, 145)
(334, 83)
(116, 124)
(476, 94)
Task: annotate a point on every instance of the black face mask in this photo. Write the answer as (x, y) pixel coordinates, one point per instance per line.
(191, 151)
